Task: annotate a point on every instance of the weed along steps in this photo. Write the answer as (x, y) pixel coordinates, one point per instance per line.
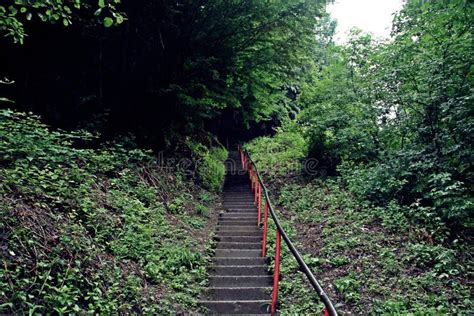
(239, 281)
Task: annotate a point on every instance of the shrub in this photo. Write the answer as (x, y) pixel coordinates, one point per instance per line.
(80, 226)
(282, 154)
(210, 169)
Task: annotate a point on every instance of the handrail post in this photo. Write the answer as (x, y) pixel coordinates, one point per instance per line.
(276, 272)
(252, 180)
(259, 201)
(256, 191)
(242, 158)
(264, 237)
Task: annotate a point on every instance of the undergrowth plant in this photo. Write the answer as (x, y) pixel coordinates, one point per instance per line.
(369, 258)
(94, 230)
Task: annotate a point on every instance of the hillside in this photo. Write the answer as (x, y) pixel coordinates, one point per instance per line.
(103, 229)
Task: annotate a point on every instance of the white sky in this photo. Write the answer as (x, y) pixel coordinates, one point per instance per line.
(374, 16)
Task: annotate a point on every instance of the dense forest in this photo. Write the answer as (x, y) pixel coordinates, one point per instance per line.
(117, 117)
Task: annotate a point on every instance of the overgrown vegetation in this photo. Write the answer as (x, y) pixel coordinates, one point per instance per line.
(370, 152)
(104, 230)
(183, 68)
(386, 215)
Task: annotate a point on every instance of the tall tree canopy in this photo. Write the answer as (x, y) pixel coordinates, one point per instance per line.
(173, 66)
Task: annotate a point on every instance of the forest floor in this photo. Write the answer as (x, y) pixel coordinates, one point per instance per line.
(367, 260)
(96, 230)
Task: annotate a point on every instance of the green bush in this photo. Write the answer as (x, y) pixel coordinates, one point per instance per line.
(88, 231)
(210, 169)
(282, 154)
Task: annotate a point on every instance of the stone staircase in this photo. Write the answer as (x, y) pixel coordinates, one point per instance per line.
(239, 282)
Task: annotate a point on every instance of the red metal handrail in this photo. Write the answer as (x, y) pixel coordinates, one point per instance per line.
(257, 187)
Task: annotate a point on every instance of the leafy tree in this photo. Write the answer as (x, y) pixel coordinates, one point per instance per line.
(396, 118)
(14, 14)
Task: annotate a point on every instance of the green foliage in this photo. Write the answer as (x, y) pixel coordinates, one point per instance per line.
(93, 230)
(282, 154)
(210, 168)
(355, 248)
(394, 118)
(17, 12)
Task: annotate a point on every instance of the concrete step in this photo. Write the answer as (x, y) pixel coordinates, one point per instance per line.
(238, 245)
(252, 220)
(222, 261)
(242, 210)
(247, 195)
(249, 307)
(230, 219)
(229, 201)
(245, 190)
(248, 207)
(247, 211)
(240, 281)
(237, 307)
(238, 270)
(239, 222)
(257, 239)
(247, 228)
(238, 215)
(233, 233)
(220, 252)
(243, 206)
(238, 202)
(240, 197)
(240, 231)
(237, 293)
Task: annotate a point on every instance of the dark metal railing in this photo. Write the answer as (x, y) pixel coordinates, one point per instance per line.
(258, 188)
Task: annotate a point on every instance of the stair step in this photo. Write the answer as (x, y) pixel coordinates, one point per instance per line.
(239, 245)
(231, 219)
(237, 293)
(247, 207)
(236, 202)
(233, 233)
(240, 197)
(227, 202)
(241, 212)
(241, 280)
(243, 228)
(237, 307)
(238, 252)
(239, 238)
(238, 270)
(231, 189)
(238, 216)
(251, 223)
(222, 261)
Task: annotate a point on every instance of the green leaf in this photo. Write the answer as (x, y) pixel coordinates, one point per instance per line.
(108, 22)
(3, 99)
(101, 3)
(119, 19)
(13, 10)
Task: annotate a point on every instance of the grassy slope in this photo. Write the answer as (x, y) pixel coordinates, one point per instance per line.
(369, 259)
(95, 230)
(372, 260)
